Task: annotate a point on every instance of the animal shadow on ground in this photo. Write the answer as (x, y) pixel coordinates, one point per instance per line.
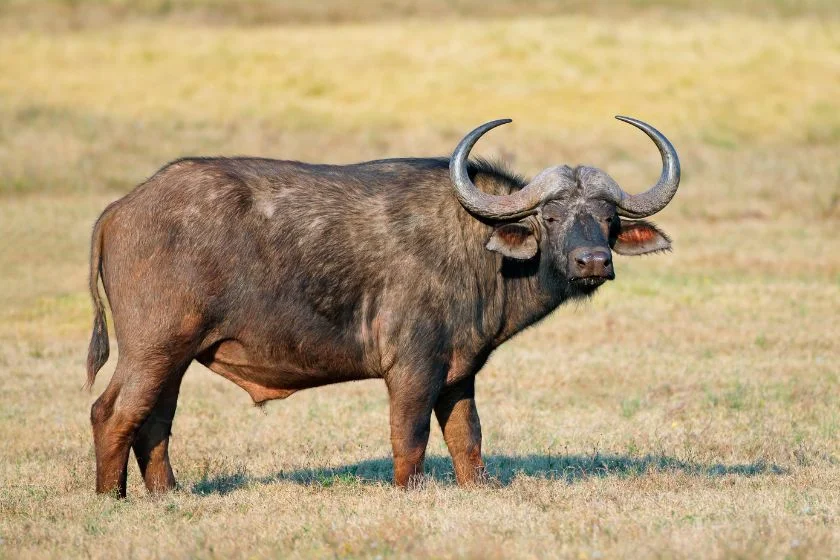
(503, 469)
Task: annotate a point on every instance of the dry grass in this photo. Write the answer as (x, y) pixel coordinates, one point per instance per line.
(691, 409)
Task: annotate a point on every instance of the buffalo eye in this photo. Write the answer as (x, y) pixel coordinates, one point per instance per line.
(549, 219)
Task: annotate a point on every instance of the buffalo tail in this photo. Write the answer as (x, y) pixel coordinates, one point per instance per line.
(98, 350)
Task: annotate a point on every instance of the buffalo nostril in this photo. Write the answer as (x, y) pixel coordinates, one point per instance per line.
(591, 262)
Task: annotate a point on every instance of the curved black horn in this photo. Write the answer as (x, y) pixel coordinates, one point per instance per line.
(497, 207)
(658, 196)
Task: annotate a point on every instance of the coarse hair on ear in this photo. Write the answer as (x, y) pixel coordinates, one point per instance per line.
(514, 241)
(638, 237)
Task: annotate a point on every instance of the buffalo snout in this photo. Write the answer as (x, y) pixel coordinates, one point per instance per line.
(591, 262)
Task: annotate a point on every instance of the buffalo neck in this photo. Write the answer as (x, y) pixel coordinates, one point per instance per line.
(513, 294)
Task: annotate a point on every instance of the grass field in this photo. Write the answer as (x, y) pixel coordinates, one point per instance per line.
(691, 409)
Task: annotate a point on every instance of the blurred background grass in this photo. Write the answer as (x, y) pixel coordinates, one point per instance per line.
(56, 14)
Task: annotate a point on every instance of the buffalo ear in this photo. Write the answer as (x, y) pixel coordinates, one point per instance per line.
(639, 237)
(515, 241)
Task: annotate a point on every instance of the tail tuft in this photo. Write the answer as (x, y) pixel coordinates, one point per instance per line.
(98, 350)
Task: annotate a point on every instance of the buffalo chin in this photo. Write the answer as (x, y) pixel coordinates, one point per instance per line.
(590, 281)
(586, 286)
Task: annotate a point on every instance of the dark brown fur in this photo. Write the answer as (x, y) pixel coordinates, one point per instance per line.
(282, 276)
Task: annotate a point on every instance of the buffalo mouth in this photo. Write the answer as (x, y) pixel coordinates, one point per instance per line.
(590, 281)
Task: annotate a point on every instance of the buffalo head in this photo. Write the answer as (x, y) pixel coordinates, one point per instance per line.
(571, 217)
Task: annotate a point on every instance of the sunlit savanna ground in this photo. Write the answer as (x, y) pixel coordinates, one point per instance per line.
(692, 408)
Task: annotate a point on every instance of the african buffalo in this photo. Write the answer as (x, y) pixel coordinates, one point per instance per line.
(282, 276)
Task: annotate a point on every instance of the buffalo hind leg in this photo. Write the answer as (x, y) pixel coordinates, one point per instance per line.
(411, 413)
(458, 418)
(151, 443)
(122, 408)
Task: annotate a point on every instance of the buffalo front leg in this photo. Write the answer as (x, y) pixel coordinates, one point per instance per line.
(458, 418)
(151, 444)
(411, 411)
